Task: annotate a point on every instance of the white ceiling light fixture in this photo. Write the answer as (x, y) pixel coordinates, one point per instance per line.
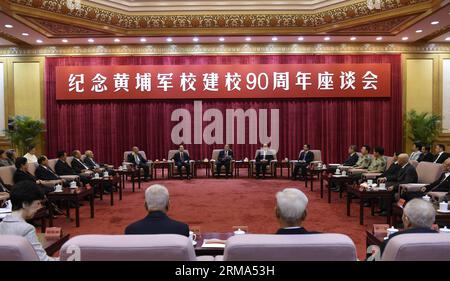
(39, 41)
(435, 22)
(221, 39)
(195, 39)
(25, 34)
(248, 39)
(64, 40)
(353, 38)
(419, 31)
(379, 38)
(143, 40)
(405, 38)
(327, 38)
(169, 39)
(9, 26)
(447, 39)
(90, 40)
(300, 38)
(274, 38)
(117, 40)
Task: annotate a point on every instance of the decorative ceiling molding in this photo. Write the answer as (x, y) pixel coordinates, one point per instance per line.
(56, 29)
(13, 39)
(380, 27)
(435, 34)
(202, 23)
(224, 49)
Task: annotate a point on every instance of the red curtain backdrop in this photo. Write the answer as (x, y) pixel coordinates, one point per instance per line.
(111, 127)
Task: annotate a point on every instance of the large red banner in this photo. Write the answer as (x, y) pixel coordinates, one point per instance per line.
(223, 81)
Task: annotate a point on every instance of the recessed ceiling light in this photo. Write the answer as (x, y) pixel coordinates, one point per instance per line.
(39, 41)
(195, 39)
(221, 39)
(248, 39)
(9, 26)
(405, 38)
(90, 40)
(169, 39)
(274, 38)
(353, 38)
(419, 30)
(65, 40)
(143, 40)
(447, 39)
(300, 38)
(117, 40)
(379, 38)
(435, 22)
(25, 34)
(327, 38)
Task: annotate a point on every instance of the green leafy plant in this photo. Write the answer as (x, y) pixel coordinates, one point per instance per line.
(422, 127)
(23, 132)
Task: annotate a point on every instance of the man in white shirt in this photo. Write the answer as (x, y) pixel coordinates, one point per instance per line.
(416, 151)
(31, 155)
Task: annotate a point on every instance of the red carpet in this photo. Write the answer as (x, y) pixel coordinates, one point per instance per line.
(215, 205)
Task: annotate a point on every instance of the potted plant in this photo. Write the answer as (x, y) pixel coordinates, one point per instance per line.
(23, 132)
(422, 127)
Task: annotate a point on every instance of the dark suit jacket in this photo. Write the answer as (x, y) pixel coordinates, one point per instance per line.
(407, 174)
(46, 173)
(411, 230)
(158, 223)
(426, 157)
(442, 158)
(392, 171)
(91, 163)
(20, 175)
(300, 230)
(352, 159)
(62, 168)
(308, 158)
(440, 184)
(177, 157)
(222, 158)
(130, 158)
(77, 166)
(259, 156)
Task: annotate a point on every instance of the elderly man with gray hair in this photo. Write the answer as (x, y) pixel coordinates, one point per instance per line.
(291, 211)
(418, 217)
(157, 221)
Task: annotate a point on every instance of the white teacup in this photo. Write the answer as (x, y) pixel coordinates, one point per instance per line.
(443, 206)
(239, 232)
(73, 184)
(391, 231)
(105, 174)
(58, 188)
(426, 198)
(125, 167)
(382, 185)
(344, 173)
(369, 182)
(96, 176)
(120, 168)
(324, 166)
(338, 171)
(444, 230)
(192, 236)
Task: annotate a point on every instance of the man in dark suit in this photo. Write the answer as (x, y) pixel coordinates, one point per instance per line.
(406, 174)
(440, 185)
(94, 166)
(137, 159)
(181, 159)
(393, 169)
(224, 159)
(441, 155)
(157, 221)
(263, 159)
(418, 217)
(290, 211)
(22, 174)
(304, 158)
(62, 168)
(44, 172)
(352, 156)
(78, 165)
(426, 155)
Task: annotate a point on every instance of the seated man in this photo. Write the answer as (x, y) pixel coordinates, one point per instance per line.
(416, 151)
(394, 168)
(441, 155)
(406, 174)
(157, 222)
(418, 217)
(263, 159)
(440, 185)
(304, 158)
(45, 173)
(78, 165)
(224, 159)
(352, 156)
(291, 211)
(377, 165)
(22, 174)
(426, 155)
(365, 159)
(137, 159)
(62, 168)
(94, 166)
(181, 159)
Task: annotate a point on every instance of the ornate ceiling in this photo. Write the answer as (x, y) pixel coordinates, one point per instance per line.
(133, 18)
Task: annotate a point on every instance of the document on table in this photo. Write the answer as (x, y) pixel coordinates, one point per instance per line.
(214, 243)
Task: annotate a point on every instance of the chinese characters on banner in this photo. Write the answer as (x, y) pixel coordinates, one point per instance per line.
(223, 81)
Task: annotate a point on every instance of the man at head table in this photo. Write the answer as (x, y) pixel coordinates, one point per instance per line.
(157, 222)
(138, 159)
(263, 159)
(26, 199)
(290, 211)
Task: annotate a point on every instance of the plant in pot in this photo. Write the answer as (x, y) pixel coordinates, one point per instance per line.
(23, 132)
(422, 127)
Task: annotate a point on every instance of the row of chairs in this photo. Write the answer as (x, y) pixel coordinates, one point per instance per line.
(248, 247)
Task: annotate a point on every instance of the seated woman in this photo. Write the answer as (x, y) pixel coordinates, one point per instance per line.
(3, 159)
(26, 199)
